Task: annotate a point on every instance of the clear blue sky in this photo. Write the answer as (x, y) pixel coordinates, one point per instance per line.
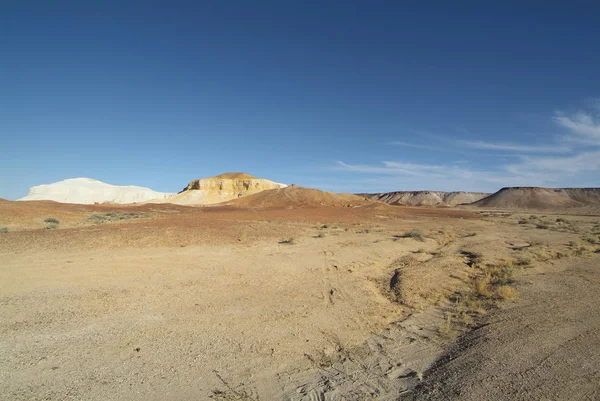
(344, 96)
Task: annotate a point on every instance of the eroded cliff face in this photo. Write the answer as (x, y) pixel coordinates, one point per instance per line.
(223, 188)
(427, 198)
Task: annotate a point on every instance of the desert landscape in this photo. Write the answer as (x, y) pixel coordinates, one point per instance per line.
(239, 288)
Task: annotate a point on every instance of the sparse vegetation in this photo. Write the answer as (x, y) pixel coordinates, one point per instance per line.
(542, 226)
(114, 216)
(51, 226)
(482, 287)
(287, 241)
(505, 292)
(579, 248)
(415, 234)
(523, 260)
(51, 220)
(3, 229)
(319, 235)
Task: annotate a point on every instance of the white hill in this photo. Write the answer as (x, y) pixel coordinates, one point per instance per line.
(88, 191)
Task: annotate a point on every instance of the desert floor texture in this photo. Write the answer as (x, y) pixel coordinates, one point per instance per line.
(167, 302)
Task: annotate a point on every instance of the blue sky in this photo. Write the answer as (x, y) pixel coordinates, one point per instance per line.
(344, 96)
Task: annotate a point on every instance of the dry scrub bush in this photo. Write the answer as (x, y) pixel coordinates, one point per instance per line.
(482, 287)
(579, 248)
(51, 220)
(523, 260)
(415, 234)
(505, 292)
(3, 229)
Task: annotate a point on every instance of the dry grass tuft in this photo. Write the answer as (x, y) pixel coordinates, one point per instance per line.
(415, 234)
(522, 260)
(506, 292)
(482, 287)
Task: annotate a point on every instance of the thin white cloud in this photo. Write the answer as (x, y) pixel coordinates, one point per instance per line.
(583, 126)
(552, 165)
(413, 145)
(516, 147)
(571, 165)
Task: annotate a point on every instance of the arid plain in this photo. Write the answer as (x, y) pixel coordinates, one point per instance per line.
(298, 295)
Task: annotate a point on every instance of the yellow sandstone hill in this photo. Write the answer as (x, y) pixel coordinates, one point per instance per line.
(221, 188)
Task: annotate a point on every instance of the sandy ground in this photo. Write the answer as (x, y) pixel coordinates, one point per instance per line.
(199, 303)
(544, 347)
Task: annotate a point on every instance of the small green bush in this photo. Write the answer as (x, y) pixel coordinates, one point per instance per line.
(3, 229)
(51, 226)
(51, 220)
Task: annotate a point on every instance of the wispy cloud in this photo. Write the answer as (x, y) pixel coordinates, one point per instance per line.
(584, 127)
(554, 164)
(413, 145)
(516, 147)
(579, 163)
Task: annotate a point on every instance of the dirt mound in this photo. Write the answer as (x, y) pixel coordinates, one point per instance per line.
(295, 196)
(426, 198)
(541, 198)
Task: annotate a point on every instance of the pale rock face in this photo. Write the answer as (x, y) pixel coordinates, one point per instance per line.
(222, 188)
(427, 198)
(89, 191)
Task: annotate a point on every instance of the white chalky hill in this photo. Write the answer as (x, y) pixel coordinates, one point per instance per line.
(89, 191)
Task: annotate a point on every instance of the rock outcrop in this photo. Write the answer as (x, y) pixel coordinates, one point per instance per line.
(541, 198)
(427, 198)
(222, 188)
(88, 191)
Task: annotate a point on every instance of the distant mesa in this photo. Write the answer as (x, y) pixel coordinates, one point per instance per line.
(89, 191)
(541, 198)
(426, 198)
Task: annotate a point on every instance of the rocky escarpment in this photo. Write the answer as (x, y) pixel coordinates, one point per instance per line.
(222, 188)
(541, 198)
(427, 198)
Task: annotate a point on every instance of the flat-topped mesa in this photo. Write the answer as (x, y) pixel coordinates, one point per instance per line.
(223, 188)
(427, 198)
(541, 198)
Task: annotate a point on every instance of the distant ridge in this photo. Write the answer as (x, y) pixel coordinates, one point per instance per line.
(541, 198)
(426, 198)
